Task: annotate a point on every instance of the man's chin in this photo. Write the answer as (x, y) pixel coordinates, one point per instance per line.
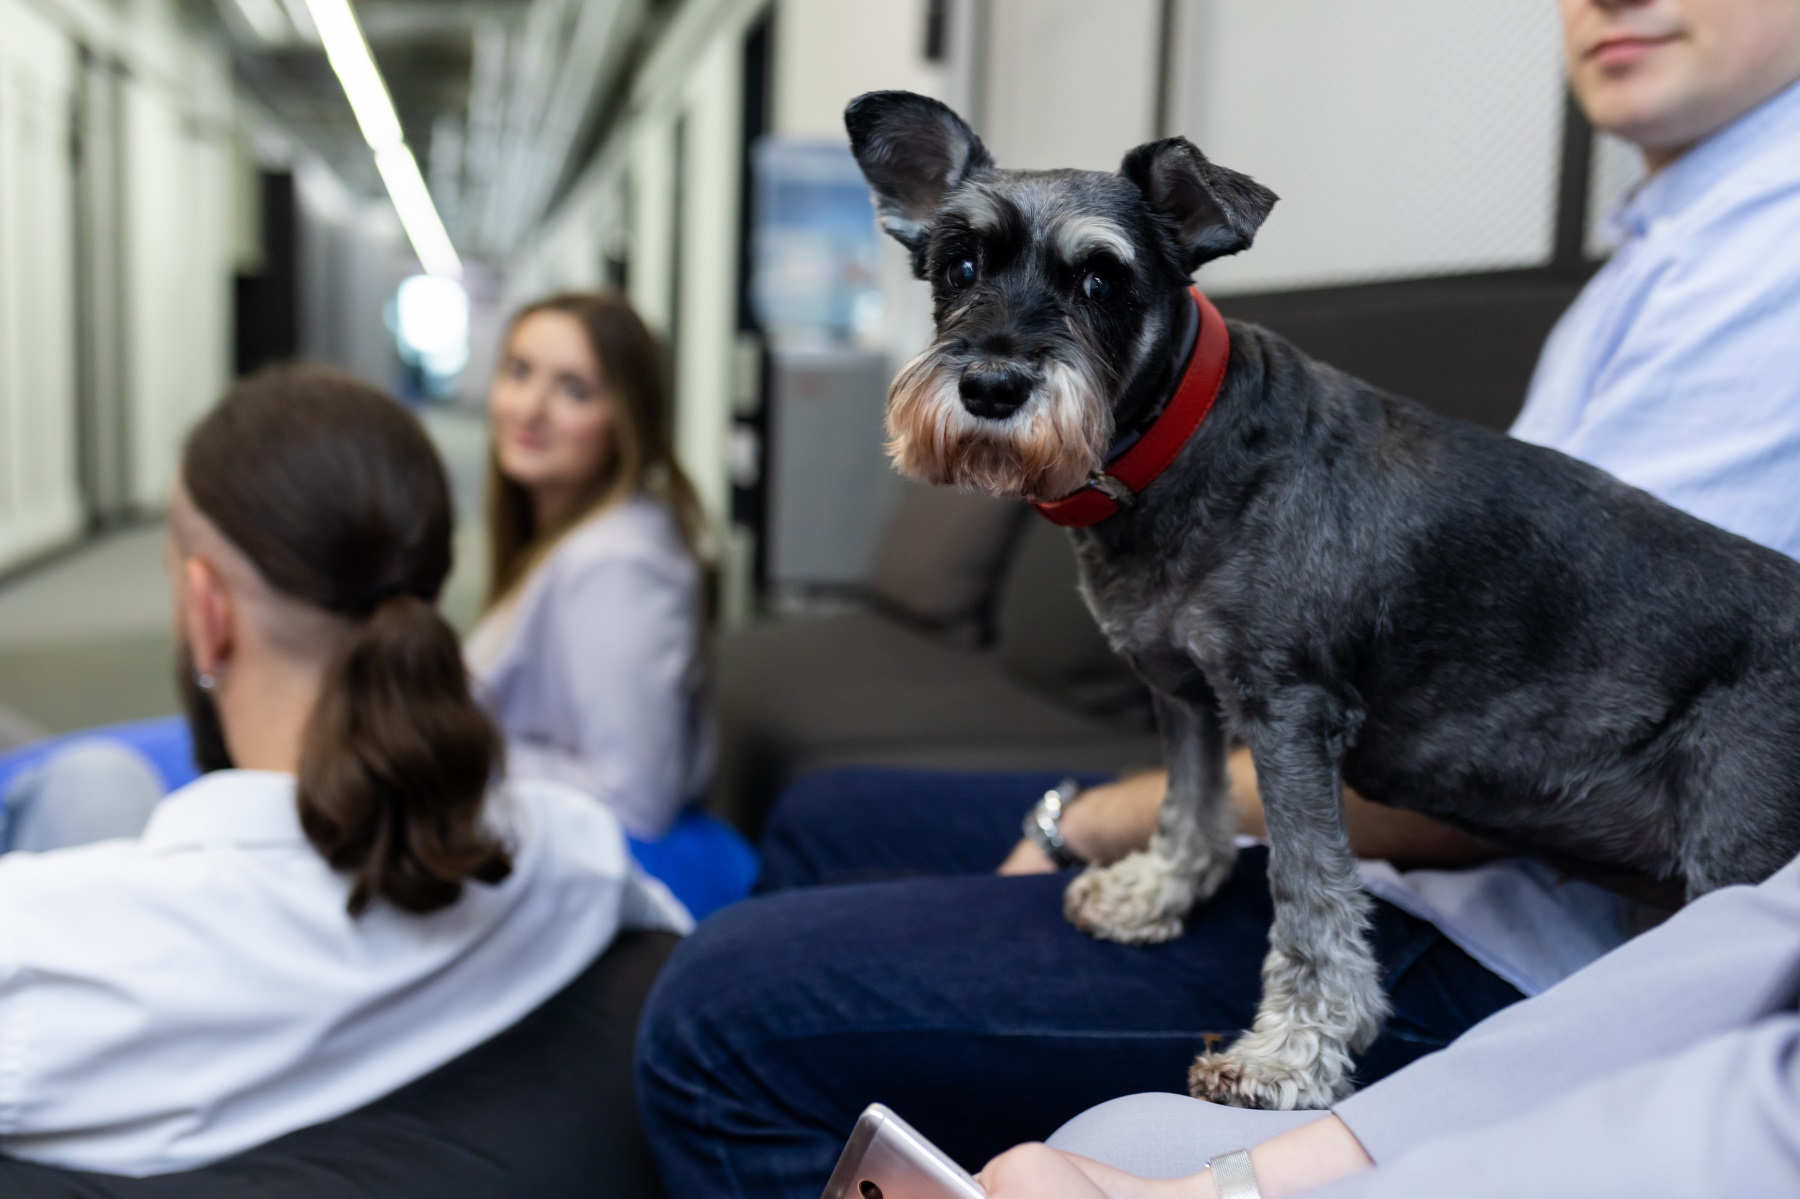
(1649, 104)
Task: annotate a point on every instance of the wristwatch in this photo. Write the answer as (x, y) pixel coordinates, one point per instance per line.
(1233, 1175)
(1043, 824)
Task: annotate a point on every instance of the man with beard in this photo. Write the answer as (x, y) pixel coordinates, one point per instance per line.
(346, 900)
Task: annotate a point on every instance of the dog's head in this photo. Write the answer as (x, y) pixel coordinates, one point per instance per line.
(1053, 290)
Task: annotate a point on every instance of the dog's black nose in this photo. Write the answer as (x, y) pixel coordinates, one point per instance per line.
(993, 392)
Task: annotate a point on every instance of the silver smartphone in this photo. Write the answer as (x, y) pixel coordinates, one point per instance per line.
(886, 1158)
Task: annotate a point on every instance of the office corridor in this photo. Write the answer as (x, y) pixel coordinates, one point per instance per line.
(84, 636)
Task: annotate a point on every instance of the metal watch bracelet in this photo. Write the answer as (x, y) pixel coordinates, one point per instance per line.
(1234, 1176)
(1043, 824)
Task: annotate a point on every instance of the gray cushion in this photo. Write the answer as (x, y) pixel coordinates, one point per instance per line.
(941, 555)
(859, 688)
(1047, 638)
(545, 1110)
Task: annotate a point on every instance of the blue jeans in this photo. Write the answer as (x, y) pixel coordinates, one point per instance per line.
(87, 791)
(886, 961)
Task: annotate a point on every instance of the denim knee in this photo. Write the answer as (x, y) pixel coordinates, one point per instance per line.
(699, 1022)
(810, 810)
(819, 798)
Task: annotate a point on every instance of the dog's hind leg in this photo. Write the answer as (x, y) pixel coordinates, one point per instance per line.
(1145, 896)
(1322, 999)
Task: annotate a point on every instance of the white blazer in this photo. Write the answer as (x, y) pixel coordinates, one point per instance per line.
(173, 1000)
(594, 669)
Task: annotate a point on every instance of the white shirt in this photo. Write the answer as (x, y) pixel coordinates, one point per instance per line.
(594, 670)
(170, 1001)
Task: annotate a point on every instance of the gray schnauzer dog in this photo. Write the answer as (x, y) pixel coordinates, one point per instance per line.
(1446, 619)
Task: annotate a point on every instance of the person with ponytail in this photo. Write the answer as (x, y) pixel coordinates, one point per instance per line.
(350, 896)
(589, 652)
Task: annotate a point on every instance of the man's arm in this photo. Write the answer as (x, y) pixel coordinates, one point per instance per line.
(1291, 1164)
(1108, 822)
(1722, 1118)
(1658, 1070)
(1719, 965)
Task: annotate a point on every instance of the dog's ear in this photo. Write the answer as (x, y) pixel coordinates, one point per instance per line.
(913, 151)
(1216, 211)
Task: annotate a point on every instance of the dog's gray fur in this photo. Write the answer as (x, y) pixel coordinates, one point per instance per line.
(1448, 620)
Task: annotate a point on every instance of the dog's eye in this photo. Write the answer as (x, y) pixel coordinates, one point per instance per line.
(1097, 287)
(960, 274)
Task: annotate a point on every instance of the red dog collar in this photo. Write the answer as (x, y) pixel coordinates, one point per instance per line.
(1138, 467)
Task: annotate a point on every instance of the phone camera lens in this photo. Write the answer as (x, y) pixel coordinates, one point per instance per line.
(869, 1190)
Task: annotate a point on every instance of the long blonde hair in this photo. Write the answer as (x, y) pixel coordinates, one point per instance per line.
(643, 457)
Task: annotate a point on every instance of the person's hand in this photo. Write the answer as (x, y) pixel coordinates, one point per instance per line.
(1027, 858)
(1102, 825)
(1040, 1172)
(1109, 821)
(1293, 1163)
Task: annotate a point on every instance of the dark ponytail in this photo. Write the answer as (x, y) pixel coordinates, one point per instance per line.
(337, 498)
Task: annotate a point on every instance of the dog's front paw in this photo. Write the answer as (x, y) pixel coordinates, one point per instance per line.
(1249, 1080)
(1140, 899)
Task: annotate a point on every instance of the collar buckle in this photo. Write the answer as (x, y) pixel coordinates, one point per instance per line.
(1113, 489)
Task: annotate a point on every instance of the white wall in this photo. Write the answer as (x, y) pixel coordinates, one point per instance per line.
(1405, 137)
(174, 219)
(178, 192)
(827, 52)
(1070, 83)
(712, 105)
(39, 499)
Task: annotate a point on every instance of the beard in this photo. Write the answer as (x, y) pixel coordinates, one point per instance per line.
(210, 752)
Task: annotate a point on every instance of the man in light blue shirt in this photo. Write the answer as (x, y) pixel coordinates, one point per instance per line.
(1678, 368)
(1671, 1067)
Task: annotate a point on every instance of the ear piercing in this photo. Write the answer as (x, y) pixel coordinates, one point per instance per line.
(206, 682)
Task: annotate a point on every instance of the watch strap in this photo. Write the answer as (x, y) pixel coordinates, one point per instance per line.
(1043, 824)
(1234, 1176)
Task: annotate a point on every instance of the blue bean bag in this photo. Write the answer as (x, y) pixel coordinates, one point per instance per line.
(702, 860)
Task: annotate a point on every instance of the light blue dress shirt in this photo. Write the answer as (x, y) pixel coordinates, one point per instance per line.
(1678, 368)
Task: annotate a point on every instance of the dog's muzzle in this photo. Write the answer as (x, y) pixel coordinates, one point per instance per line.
(994, 392)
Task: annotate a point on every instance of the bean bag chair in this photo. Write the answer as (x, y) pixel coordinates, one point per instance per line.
(702, 860)
(545, 1110)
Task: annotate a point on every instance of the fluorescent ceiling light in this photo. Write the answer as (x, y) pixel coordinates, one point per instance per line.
(418, 215)
(348, 52)
(264, 18)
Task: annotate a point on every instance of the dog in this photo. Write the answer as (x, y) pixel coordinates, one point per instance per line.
(1446, 619)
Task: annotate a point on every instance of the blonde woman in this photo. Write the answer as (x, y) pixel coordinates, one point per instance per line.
(589, 653)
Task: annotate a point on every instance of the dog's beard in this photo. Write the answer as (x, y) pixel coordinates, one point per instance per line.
(210, 751)
(1044, 451)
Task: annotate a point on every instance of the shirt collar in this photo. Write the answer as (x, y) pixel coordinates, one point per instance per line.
(1665, 194)
(227, 807)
